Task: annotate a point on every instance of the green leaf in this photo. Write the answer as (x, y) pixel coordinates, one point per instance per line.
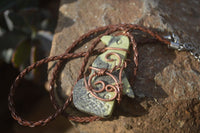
(21, 56)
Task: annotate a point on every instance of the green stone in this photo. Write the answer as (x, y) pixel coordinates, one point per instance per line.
(82, 98)
(87, 103)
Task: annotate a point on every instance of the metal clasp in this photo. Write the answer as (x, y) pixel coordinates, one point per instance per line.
(175, 42)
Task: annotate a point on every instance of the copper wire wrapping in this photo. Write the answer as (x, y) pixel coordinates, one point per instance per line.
(117, 88)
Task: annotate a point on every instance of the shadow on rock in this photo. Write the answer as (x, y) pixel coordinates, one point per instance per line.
(66, 22)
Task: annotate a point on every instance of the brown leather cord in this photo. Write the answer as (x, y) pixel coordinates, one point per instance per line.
(69, 54)
(27, 70)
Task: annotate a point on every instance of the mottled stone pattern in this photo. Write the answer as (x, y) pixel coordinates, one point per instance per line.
(167, 83)
(87, 103)
(82, 98)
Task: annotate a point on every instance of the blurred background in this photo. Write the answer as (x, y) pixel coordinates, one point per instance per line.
(26, 33)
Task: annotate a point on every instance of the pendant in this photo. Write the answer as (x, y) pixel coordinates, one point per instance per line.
(97, 93)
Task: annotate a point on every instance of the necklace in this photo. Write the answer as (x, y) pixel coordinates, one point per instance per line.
(113, 55)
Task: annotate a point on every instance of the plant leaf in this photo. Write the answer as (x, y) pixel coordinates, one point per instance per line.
(21, 55)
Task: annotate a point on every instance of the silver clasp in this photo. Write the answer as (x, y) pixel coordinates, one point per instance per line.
(175, 42)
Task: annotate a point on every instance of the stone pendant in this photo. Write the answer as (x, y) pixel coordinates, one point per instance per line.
(84, 100)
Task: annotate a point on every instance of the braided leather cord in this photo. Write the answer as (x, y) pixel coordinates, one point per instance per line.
(69, 54)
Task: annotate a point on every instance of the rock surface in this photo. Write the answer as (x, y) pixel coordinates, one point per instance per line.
(167, 85)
